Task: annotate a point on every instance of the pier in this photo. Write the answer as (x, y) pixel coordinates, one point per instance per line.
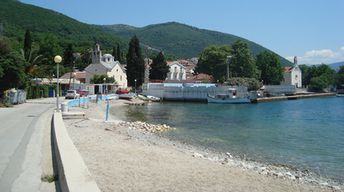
(292, 97)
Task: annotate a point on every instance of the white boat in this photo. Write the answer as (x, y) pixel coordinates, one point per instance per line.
(340, 94)
(229, 97)
(128, 96)
(152, 98)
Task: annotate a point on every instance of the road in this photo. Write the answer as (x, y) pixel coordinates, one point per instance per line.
(25, 148)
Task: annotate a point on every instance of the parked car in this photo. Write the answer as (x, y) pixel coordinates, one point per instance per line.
(83, 92)
(72, 94)
(122, 91)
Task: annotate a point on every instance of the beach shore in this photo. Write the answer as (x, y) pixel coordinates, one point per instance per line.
(129, 157)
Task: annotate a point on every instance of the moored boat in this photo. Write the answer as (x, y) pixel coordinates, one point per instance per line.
(230, 97)
(128, 96)
(152, 98)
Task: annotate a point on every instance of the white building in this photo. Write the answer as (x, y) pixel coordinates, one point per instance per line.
(177, 71)
(105, 65)
(292, 75)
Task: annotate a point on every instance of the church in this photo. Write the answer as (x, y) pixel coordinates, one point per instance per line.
(292, 75)
(105, 65)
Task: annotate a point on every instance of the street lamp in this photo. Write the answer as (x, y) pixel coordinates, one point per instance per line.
(228, 61)
(135, 86)
(74, 74)
(104, 86)
(57, 60)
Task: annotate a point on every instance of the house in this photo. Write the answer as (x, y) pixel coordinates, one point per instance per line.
(177, 71)
(292, 75)
(77, 75)
(105, 65)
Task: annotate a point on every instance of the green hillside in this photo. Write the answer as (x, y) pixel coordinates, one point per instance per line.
(173, 38)
(180, 39)
(16, 17)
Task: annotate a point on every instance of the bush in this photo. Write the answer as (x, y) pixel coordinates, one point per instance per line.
(250, 83)
(38, 91)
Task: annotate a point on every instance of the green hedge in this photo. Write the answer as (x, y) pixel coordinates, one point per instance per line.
(39, 91)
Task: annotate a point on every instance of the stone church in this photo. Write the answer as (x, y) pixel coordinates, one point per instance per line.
(105, 65)
(292, 75)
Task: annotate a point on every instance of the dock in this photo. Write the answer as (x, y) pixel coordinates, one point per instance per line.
(292, 97)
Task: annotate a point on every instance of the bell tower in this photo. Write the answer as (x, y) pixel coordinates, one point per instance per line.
(295, 61)
(96, 54)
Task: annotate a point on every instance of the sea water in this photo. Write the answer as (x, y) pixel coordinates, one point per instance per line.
(307, 134)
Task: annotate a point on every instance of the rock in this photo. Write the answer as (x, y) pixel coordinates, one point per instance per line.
(229, 155)
(225, 161)
(197, 155)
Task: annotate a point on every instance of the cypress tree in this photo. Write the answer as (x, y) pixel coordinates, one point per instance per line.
(119, 54)
(27, 43)
(69, 60)
(135, 63)
(114, 53)
(68, 56)
(159, 68)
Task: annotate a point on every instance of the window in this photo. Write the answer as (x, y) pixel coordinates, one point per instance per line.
(120, 78)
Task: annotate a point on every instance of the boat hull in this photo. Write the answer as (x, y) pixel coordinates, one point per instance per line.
(229, 101)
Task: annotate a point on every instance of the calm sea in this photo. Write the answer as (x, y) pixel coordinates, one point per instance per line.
(306, 133)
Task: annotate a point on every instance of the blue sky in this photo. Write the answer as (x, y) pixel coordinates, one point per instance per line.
(311, 29)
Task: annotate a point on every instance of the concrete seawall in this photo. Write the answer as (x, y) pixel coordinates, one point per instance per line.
(73, 174)
(292, 97)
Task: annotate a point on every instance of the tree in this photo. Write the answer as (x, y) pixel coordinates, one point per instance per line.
(114, 53)
(13, 76)
(271, 71)
(135, 63)
(27, 44)
(68, 58)
(159, 68)
(318, 77)
(49, 47)
(119, 54)
(213, 61)
(250, 83)
(85, 59)
(242, 63)
(33, 60)
(340, 77)
(99, 79)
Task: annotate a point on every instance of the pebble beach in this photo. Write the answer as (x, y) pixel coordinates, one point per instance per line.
(131, 156)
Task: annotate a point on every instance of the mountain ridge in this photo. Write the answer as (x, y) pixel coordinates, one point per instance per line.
(183, 40)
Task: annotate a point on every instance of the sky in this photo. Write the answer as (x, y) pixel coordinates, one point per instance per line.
(313, 30)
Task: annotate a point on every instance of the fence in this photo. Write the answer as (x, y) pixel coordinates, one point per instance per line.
(84, 100)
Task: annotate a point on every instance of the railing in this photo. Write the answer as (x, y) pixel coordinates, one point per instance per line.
(83, 101)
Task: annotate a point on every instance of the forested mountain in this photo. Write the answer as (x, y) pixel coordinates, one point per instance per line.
(179, 39)
(16, 17)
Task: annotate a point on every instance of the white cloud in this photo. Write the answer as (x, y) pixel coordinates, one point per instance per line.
(326, 56)
(324, 53)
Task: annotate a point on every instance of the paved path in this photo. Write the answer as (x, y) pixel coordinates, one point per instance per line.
(24, 146)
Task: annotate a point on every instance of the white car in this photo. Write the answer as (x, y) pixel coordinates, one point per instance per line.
(72, 94)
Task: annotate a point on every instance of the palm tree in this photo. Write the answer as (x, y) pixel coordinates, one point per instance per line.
(33, 60)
